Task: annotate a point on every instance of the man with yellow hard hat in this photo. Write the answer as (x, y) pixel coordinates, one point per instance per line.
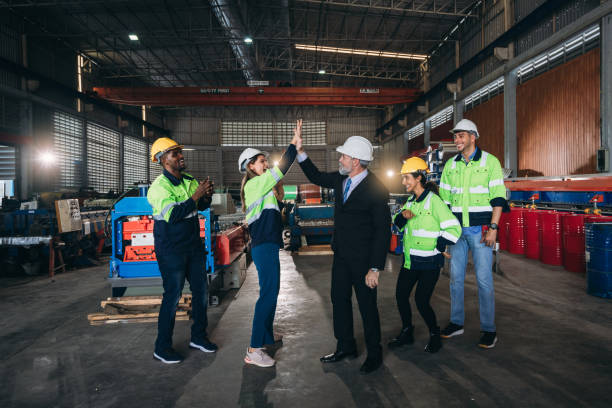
(176, 198)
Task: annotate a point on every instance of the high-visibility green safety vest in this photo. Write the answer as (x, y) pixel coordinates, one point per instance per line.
(471, 189)
(262, 210)
(432, 220)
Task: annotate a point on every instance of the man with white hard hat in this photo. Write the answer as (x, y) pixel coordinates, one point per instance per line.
(472, 184)
(360, 244)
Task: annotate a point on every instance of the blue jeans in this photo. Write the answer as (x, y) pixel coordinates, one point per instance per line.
(174, 269)
(483, 263)
(266, 260)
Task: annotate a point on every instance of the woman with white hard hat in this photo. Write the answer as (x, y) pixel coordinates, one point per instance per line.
(260, 204)
(428, 226)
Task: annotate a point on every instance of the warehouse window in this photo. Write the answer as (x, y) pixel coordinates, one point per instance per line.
(7, 163)
(571, 48)
(485, 93)
(416, 131)
(102, 158)
(271, 133)
(442, 117)
(68, 147)
(134, 162)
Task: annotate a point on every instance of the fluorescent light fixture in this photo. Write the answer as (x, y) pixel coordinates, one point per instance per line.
(321, 71)
(133, 37)
(275, 163)
(187, 149)
(248, 40)
(390, 173)
(352, 51)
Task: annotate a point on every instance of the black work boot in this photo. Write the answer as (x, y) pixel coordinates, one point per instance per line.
(405, 337)
(435, 343)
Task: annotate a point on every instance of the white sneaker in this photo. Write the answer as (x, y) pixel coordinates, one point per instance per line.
(259, 358)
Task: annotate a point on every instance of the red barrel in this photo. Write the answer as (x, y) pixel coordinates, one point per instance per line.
(552, 242)
(573, 242)
(532, 234)
(502, 235)
(516, 231)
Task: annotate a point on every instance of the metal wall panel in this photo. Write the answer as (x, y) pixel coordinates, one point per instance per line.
(489, 118)
(558, 119)
(340, 128)
(202, 164)
(9, 49)
(522, 8)
(194, 130)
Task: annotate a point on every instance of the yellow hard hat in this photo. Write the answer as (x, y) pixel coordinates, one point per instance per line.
(413, 165)
(161, 146)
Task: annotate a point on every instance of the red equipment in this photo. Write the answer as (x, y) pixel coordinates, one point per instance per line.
(139, 233)
(229, 244)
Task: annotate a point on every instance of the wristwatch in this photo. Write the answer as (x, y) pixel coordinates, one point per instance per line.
(374, 269)
(493, 226)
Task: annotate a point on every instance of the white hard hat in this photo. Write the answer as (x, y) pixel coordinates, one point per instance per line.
(357, 147)
(466, 125)
(246, 156)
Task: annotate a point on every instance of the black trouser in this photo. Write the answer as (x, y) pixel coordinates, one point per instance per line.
(426, 283)
(347, 274)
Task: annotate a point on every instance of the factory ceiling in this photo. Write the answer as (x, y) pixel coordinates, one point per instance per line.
(340, 43)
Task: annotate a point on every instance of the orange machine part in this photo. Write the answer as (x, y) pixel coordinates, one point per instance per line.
(139, 253)
(137, 227)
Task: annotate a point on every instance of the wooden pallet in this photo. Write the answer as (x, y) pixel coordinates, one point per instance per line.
(315, 250)
(136, 309)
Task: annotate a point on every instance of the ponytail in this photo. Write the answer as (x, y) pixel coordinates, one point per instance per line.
(249, 175)
(428, 185)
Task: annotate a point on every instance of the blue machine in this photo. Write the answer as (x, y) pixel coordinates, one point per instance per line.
(125, 274)
(315, 222)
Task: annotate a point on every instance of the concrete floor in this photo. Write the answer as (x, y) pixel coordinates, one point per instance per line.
(555, 347)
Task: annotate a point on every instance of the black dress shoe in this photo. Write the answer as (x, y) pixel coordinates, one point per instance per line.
(370, 364)
(338, 356)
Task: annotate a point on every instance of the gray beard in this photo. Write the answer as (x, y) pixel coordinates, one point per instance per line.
(342, 170)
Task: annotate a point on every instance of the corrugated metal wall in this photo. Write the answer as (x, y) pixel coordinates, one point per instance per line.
(558, 119)
(195, 130)
(489, 118)
(441, 132)
(9, 49)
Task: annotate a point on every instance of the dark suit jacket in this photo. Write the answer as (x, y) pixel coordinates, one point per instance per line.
(361, 225)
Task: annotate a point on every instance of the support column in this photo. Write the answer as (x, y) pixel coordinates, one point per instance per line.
(24, 153)
(606, 85)
(458, 107)
(427, 132)
(510, 137)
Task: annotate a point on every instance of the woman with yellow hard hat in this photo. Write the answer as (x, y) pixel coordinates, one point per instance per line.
(428, 226)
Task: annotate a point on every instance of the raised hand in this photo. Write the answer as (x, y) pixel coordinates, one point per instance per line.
(205, 188)
(297, 133)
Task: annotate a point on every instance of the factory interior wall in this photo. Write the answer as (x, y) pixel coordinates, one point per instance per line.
(489, 117)
(558, 119)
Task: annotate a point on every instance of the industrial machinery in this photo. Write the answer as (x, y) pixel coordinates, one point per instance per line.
(133, 261)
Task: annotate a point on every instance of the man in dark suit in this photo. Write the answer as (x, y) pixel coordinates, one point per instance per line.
(360, 244)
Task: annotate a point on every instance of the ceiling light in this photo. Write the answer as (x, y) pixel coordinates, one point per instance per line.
(369, 53)
(133, 37)
(390, 173)
(248, 40)
(321, 71)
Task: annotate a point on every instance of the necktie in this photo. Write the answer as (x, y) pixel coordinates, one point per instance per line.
(346, 189)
